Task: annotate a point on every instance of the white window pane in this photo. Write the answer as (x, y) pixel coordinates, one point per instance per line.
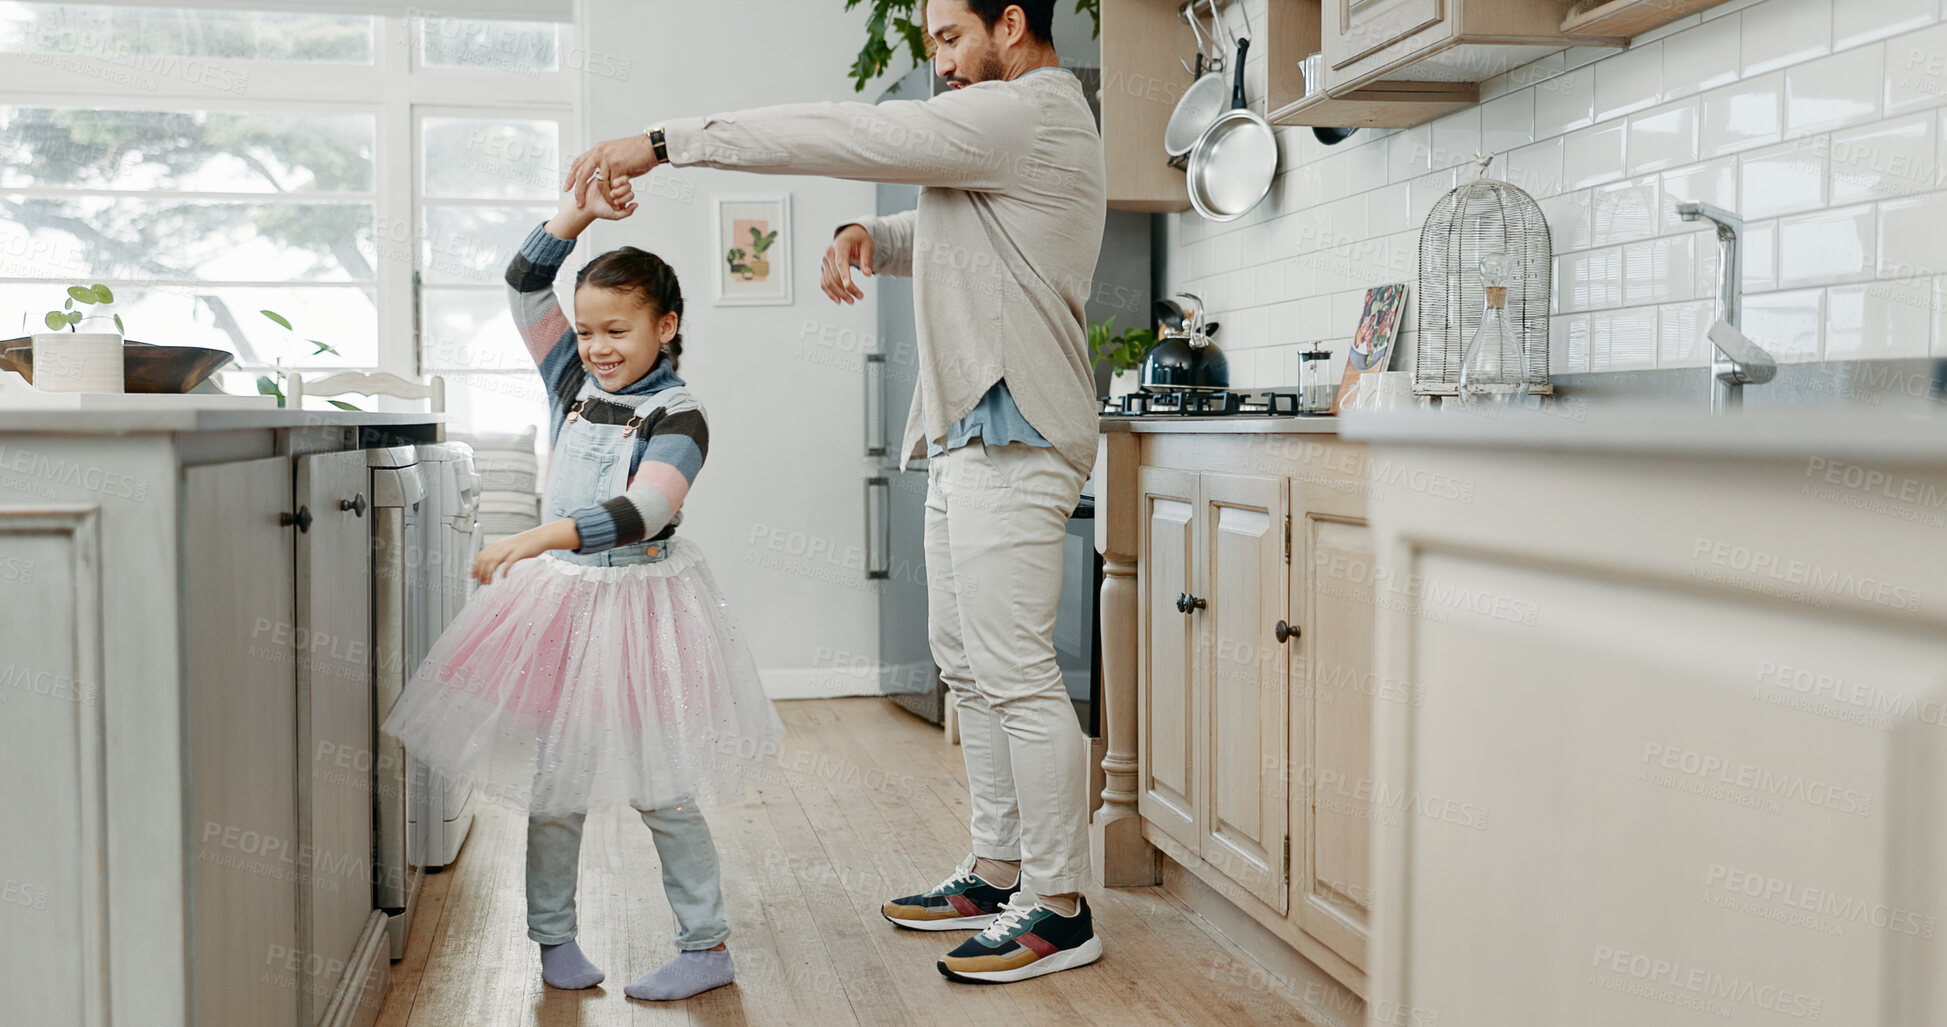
(503, 45)
(146, 40)
(471, 244)
(228, 318)
(202, 151)
(470, 330)
(491, 158)
(496, 403)
(200, 240)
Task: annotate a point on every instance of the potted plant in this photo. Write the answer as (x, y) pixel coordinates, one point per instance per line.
(738, 266)
(67, 359)
(760, 244)
(274, 386)
(1122, 351)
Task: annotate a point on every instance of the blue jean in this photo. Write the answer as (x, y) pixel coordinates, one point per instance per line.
(690, 875)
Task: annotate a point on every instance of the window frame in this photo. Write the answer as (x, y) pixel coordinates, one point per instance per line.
(395, 87)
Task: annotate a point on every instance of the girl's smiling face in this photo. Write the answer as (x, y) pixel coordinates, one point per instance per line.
(620, 335)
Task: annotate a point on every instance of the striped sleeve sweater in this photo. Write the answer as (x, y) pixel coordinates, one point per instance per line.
(674, 438)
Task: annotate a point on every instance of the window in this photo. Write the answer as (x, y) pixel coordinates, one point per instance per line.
(367, 178)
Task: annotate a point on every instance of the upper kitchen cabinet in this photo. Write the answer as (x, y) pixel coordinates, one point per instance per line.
(1142, 43)
(1628, 17)
(1399, 63)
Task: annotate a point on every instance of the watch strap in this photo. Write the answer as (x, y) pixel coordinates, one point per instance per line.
(658, 143)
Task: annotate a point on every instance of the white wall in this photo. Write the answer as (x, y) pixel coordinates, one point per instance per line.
(782, 385)
(1819, 120)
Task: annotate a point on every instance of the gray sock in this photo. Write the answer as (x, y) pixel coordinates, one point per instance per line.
(563, 966)
(690, 973)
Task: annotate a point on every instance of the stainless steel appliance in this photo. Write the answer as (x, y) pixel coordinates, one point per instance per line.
(400, 638)
(895, 507)
(439, 811)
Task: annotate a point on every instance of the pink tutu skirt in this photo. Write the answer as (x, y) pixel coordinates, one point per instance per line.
(565, 687)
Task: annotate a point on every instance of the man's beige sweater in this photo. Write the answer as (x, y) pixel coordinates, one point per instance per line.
(1002, 248)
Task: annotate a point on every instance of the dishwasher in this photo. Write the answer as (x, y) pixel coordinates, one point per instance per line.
(400, 638)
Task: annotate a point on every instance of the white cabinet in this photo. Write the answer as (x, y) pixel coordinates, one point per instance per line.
(1676, 755)
(183, 664)
(241, 719)
(1251, 663)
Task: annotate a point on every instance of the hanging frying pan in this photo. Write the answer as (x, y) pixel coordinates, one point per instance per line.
(1200, 104)
(1236, 159)
(1332, 136)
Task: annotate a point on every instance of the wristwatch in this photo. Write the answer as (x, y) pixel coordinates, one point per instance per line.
(658, 143)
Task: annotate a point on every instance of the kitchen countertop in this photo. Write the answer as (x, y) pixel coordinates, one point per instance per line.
(1777, 433)
(190, 419)
(1220, 425)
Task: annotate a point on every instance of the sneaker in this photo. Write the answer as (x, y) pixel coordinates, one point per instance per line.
(962, 902)
(1024, 943)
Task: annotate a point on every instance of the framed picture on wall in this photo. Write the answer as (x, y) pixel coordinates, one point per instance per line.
(754, 251)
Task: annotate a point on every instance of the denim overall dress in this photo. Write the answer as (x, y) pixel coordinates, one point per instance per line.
(590, 466)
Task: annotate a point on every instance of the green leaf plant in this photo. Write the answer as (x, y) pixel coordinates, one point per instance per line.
(903, 23)
(1122, 351)
(267, 385)
(95, 296)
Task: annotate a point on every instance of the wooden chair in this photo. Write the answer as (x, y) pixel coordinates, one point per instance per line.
(369, 383)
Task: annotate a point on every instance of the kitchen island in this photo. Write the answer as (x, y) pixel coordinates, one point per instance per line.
(1675, 754)
(188, 715)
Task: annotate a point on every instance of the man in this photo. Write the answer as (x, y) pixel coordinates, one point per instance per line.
(1001, 250)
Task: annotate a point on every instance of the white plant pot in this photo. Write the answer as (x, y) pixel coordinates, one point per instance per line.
(78, 362)
(1122, 383)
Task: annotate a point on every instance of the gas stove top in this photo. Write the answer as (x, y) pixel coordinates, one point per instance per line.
(1272, 403)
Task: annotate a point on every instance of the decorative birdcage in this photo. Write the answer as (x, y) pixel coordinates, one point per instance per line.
(1478, 218)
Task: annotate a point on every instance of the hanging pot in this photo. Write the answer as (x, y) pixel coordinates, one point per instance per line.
(1200, 104)
(1234, 163)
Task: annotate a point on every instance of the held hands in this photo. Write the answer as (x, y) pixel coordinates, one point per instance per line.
(611, 164)
(852, 248)
(572, 219)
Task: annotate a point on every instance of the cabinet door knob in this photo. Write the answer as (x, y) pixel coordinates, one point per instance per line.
(302, 519)
(1285, 632)
(1185, 603)
(356, 504)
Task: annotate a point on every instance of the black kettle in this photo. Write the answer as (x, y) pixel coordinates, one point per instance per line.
(1185, 359)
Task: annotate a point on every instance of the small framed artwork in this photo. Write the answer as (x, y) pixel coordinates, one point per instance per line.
(753, 251)
(1372, 344)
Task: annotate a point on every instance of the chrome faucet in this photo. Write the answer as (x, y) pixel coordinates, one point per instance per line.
(1735, 361)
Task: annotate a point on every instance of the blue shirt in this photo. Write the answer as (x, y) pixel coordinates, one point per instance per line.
(996, 419)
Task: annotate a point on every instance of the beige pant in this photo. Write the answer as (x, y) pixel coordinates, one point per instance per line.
(995, 520)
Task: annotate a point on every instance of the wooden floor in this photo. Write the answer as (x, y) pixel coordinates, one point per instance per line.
(865, 802)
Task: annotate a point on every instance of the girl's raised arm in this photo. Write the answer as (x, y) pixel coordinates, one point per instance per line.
(544, 326)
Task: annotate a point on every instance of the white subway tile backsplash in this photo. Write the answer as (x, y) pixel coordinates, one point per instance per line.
(1624, 212)
(1536, 169)
(1834, 92)
(1879, 320)
(1857, 23)
(1629, 82)
(1913, 237)
(1682, 334)
(1565, 103)
(1916, 71)
(1593, 156)
(1701, 58)
(1409, 154)
(1886, 160)
(1663, 138)
(1786, 32)
(1741, 116)
(1623, 340)
(1827, 247)
(1783, 180)
(1789, 325)
(1508, 122)
(1822, 122)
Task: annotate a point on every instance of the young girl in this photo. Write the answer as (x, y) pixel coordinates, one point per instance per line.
(610, 669)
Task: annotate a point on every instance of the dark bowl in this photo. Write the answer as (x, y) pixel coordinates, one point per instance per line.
(145, 368)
